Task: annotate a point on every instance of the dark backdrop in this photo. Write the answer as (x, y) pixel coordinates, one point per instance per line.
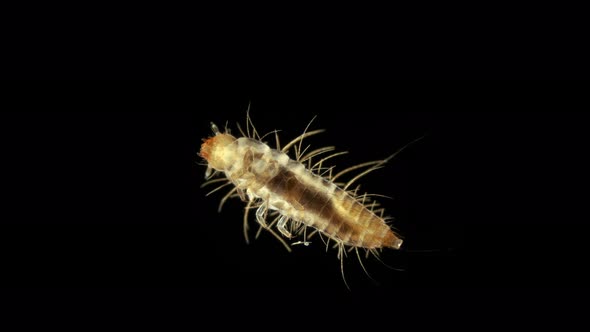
(102, 183)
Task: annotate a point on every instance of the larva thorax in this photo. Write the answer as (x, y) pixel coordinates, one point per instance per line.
(287, 186)
(246, 162)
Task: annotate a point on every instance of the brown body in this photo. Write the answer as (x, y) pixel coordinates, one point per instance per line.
(332, 211)
(278, 183)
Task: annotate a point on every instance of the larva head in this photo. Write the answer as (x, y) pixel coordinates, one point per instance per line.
(214, 149)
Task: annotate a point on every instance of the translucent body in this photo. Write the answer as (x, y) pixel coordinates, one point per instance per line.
(272, 181)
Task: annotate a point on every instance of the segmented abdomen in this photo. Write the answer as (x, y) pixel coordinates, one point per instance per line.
(288, 187)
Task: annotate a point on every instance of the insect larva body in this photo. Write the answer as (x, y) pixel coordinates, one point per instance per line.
(297, 197)
(286, 186)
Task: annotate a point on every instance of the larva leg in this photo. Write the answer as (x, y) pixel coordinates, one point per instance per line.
(242, 195)
(304, 242)
(261, 216)
(270, 230)
(245, 220)
(282, 227)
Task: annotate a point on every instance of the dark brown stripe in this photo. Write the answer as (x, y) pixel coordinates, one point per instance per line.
(286, 185)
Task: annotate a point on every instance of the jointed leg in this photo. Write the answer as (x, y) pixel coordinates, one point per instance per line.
(281, 226)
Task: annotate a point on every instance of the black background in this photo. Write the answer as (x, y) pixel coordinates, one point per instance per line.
(102, 189)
